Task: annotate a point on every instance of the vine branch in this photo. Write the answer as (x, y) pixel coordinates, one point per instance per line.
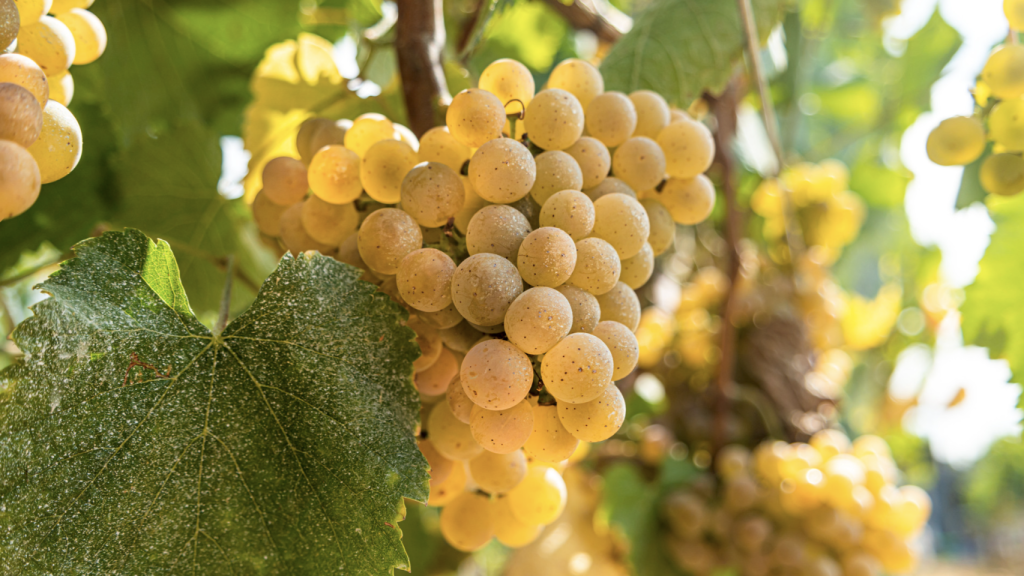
(419, 42)
(581, 15)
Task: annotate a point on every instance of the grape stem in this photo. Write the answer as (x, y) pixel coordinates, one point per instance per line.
(583, 15)
(419, 43)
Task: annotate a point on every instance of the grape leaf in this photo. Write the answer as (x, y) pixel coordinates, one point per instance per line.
(680, 48)
(970, 183)
(138, 442)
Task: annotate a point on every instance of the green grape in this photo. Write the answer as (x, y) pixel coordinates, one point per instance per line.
(59, 146)
(467, 522)
(640, 163)
(509, 530)
(621, 221)
(538, 319)
(577, 369)
(367, 130)
(578, 77)
(593, 159)
(451, 437)
(284, 181)
(386, 237)
(49, 43)
(622, 344)
(689, 148)
(447, 317)
(496, 375)
(19, 180)
(1014, 10)
(688, 201)
(1006, 125)
(440, 467)
(484, 286)
(294, 236)
(502, 171)
(610, 185)
(586, 312)
(432, 193)
(549, 441)
(497, 229)
(957, 141)
(438, 145)
(498, 473)
(621, 305)
(425, 279)
(596, 420)
(1002, 174)
(663, 227)
(434, 380)
(459, 403)
(473, 203)
(427, 338)
(442, 493)
(546, 257)
(475, 116)
(334, 175)
(62, 87)
(21, 118)
(554, 119)
(329, 223)
(637, 269)
(315, 133)
(30, 11)
(556, 171)
(508, 80)
(611, 118)
(384, 166)
(348, 252)
(10, 21)
(1003, 73)
(569, 211)
(502, 431)
(540, 498)
(652, 113)
(89, 34)
(23, 71)
(597, 266)
(267, 215)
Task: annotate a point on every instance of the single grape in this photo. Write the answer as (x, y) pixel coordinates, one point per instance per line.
(586, 312)
(578, 77)
(529, 208)
(546, 257)
(554, 119)
(1002, 174)
(459, 403)
(10, 21)
(444, 492)
(1006, 125)
(509, 530)
(538, 319)
(622, 344)
(502, 171)
(59, 146)
(334, 174)
(577, 369)
(689, 148)
(316, 132)
(540, 498)
(284, 181)
(570, 211)
(432, 193)
(637, 269)
(294, 235)
(21, 118)
(549, 441)
(434, 380)
(386, 237)
(19, 180)
(688, 201)
(425, 279)
(597, 266)
(440, 467)
(1003, 73)
(438, 145)
(484, 286)
(596, 420)
(427, 338)
(652, 113)
(49, 43)
(611, 118)
(663, 227)
(508, 80)
(328, 223)
(677, 115)
(451, 437)
(23, 71)
(89, 34)
(1014, 11)
(62, 87)
(556, 171)
(498, 473)
(610, 185)
(472, 204)
(502, 431)
(621, 221)
(957, 141)
(467, 522)
(496, 375)
(30, 11)
(640, 163)
(406, 135)
(383, 168)
(267, 215)
(593, 158)
(367, 130)
(447, 317)
(621, 305)
(475, 116)
(497, 229)
(460, 337)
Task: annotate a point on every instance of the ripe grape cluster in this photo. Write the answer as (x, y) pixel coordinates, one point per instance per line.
(999, 95)
(826, 508)
(40, 139)
(515, 236)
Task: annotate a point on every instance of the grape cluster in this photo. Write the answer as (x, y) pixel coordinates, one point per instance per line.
(516, 243)
(999, 95)
(826, 508)
(40, 139)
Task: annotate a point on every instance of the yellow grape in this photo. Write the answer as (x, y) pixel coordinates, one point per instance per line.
(509, 530)
(89, 34)
(554, 119)
(1003, 73)
(21, 118)
(62, 87)
(472, 204)
(640, 163)
(586, 312)
(294, 236)
(1006, 125)
(30, 11)
(367, 130)
(637, 269)
(438, 145)
(913, 512)
(60, 6)
(689, 148)
(1014, 10)
(622, 344)
(459, 403)
(498, 473)
(570, 211)
(496, 375)
(956, 141)
(19, 180)
(593, 158)
(497, 229)
(843, 473)
(329, 223)
(427, 338)
(425, 279)
(502, 171)
(267, 214)
(315, 133)
(432, 193)
(549, 441)
(546, 257)
(285, 181)
(348, 252)
(59, 146)
(652, 113)
(475, 116)
(1002, 174)
(663, 227)
(9, 23)
(610, 185)
(830, 443)
(440, 467)
(386, 237)
(49, 43)
(444, 492)
(577, 369)
(621, 305)
(23, 71)
(861, 564)
(450, 436)
(509, 80)
(446, 317)
(750, 533)
(870, 444)
(688, 201)
(434, 380)
(383, 168)
(484, 286)
(621, 221)
(596, 420)
(578, 77)
(556, 171)
(538, 319)
(611, 118)
(597, 267)
(334, 174)
(540, 498)
(467, 522)
(676, 115)
(502, 431)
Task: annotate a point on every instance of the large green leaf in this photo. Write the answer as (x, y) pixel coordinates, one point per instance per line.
(680, 48)
(283, 446)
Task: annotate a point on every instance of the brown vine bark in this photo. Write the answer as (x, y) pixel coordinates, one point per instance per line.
(581, 15)
(419, 42)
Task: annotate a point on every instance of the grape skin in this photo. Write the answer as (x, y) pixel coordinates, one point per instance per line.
(549, 441)
(10, 21)
(498, 473)
(596, 420)
(586, 312)
(689, 148)
(956, 141)
(334, 175)
(425, 278)
(459, 403)
(21, 118)
(367, 130)
(622, 222)
(637, 269)
(508, 80)
(593, 158)
(348, 252)
(467, 522)
(88, 32)
(502, 431)
(59, 146)
(609, 185)
(502, 171)
(540, 498)
(578, 77)
(622, 344)
(538, 319)
(328, 223)
(663, 227)
(428, 340)
(546, 257)
(267, 214)
(49, 43)
(1006, 125)
(497, 229)
(475, 116)
(496, 375)
(611, 118)
(23, 71)
(688, 201)
(483, 288)
(284, 181)
(570, 211)
(1002, 174)
(315, 133)
(383, 168)
(444, 492)
(1003, 73)
(556, 171)
(386, 237)
(597, 266)
(577, 369)
(438, 145)
(19, 180)
(432, 193)
(473, 203)
(621, 305)
(294, 236)
(440, 467)
(434, 380)
(554, 119)
(652, 113)
(640, 163)
(509, 530)
(451, 437)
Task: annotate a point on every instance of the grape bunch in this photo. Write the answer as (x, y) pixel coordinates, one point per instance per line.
(516, 243)
(999, 97)
(40, 139)
(826, 508)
